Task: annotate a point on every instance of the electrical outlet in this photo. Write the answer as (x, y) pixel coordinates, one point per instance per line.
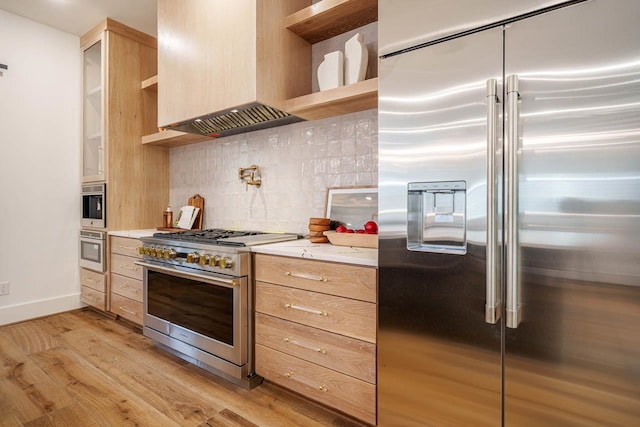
(4, 288)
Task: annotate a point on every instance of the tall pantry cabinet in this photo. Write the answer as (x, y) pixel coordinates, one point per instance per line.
(116, 59)
(137, 176)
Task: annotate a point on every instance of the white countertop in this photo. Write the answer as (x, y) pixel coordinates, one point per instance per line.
(303, 248)
(135, 234)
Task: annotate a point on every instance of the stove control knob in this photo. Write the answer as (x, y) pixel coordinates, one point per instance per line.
(214, 261)
(147, 250)
(204, 260)
(141, 250)
(226, 262)
(193, 258)
(159, 252)
(171, 254)
(152, 251)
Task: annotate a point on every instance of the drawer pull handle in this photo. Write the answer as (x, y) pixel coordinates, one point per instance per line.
(305, 309)
(322, 387)
(307, 346)
(90, 280)
(306, 276)
(133, 313)
(129, 288)
(129, 267)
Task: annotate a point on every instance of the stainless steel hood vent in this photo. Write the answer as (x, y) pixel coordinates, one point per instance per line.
(246, 118)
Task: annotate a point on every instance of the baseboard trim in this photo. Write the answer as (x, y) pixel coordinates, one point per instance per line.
(34, 309)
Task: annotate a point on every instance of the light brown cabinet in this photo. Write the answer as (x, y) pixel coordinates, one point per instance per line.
(217, 54)
(316, 330)
(116, 59)
(93, 288)
(125, 279)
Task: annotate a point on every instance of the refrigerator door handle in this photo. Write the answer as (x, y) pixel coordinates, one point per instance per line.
(493, 306)
(513, 306)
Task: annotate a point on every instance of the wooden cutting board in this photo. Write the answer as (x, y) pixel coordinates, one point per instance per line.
(197, 201)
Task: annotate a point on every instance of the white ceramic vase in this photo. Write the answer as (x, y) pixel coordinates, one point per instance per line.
(331, 71)
(356, 58)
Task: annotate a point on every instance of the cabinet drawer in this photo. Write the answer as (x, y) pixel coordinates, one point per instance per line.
(127, 287)
(93, 280)
(125, 246)
(356, 319)
(331, 388)
(127, 308)
(344, 280)
(92, 297)
(125, 266)
(343, 354)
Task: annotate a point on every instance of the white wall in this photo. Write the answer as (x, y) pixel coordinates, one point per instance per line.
(298, 162)
(39, 169)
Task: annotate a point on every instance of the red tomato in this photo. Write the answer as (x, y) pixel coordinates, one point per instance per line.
(349, 231)
(370, 232)
(341, 229)
(371, 227)
(360, 231)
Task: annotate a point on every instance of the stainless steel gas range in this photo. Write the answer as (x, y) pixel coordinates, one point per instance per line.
(198, 298)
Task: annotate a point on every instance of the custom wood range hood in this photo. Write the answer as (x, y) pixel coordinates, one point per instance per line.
(227, 67)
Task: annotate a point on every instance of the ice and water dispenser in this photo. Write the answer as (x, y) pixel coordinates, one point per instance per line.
(436, 217)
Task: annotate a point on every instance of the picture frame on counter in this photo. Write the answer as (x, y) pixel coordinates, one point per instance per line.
(352, 206)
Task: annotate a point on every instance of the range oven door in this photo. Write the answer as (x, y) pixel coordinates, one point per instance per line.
(205, 310)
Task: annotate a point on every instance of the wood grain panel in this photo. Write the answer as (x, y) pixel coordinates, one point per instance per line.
(355, 319)
(230, 54)
(43, 396)
(334, 102)
(126, 287)
(125, 246)
(213, 67)
(346, 355)
(125, 266)
(328, 18)
(137, 175)
(283, 60)
(93, 280)
(116, 377)
(92, 297)
(127, 308)
(30, 338)
(349, 281)
(355, 397)
(108, 400)
(172, 138)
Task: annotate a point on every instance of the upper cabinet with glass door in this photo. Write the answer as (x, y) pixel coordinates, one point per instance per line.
(92, 120)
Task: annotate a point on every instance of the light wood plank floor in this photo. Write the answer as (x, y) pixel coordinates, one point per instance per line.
(82, 368)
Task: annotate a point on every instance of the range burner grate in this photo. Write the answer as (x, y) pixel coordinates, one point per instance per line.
(211, 235)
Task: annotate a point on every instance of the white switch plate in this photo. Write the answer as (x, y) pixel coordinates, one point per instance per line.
(4, 288)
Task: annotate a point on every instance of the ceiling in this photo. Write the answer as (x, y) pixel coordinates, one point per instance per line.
(79, 16)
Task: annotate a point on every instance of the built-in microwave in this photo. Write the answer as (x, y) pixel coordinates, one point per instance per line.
(93, 250)
(94, 212)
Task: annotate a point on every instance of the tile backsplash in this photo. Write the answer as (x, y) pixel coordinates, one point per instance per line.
(297, 164)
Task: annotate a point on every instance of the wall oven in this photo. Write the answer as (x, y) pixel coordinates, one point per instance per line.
(94, 212)
(93, 250)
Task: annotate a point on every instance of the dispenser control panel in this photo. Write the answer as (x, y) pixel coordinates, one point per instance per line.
(436, 217)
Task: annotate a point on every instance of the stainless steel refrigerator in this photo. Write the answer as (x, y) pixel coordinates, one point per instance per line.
(509, 213)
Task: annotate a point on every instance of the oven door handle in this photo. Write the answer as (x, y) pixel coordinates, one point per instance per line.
(228, 283)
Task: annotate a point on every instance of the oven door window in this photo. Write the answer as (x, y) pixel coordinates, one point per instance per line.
(91, 251)
(200, 307)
